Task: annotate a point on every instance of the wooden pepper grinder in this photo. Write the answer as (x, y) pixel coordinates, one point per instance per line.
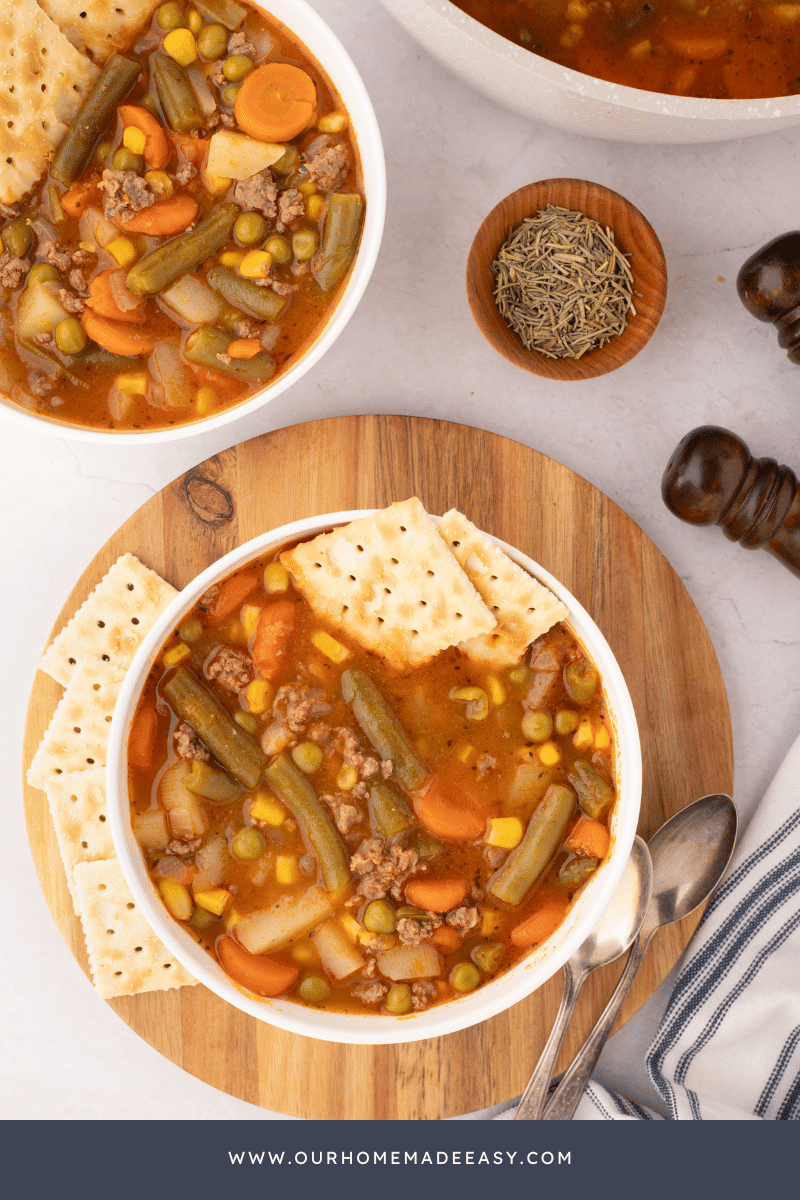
(712, 479)
(769, 287)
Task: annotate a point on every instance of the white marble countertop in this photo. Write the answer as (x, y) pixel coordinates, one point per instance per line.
(412, 347)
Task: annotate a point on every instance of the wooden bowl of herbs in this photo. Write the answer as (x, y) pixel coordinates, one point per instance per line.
(566, 279)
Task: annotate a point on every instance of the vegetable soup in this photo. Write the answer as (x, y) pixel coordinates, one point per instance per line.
(195, 229)
(354, 838)
(707, 48)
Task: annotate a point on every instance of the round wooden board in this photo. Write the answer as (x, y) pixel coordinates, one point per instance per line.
(612, 568)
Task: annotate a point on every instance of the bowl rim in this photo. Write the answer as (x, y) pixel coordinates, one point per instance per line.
(366, 131)
(618, 94)
(493, 997)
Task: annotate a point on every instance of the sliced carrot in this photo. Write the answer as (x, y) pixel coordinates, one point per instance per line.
(542, 922)
(436, 895)
(276, 102)
(457, 817)
(101, 299)
(243, 347)
(164, 217)
(445, 938)
(116, 337)
(156, 146)
(78, 198)
(233, 594)
(142, 738)
(588, 837)
(193, 149)
(699, 46)
(274, 636)
(255, 972)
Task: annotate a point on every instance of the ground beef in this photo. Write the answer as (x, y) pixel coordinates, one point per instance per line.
(291, 207)
(371, 993)
(45, 338)
(280, 288)
(383, 869)
(345, 815)
(57, 255)
(495, 856)
(300, 268)
(78, 283)
(71, 302)
(188, 744)
(308, 865)
(184, 173)
(220, 118)
(412, 932)
(239, 43)
(182, 848)
(81, 257)
(126, 194)
(224, 358)
(353, 756)
(232, 668)
(422, 992)
(296, 703)
(485, 763)
(9, 211)
(217, 75)
(464, 919)
(245, 328)
(12, 270)
(41, 384)
(258, 193)
(328, 169)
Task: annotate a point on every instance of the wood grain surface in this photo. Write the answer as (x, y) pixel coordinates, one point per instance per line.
(612, 568)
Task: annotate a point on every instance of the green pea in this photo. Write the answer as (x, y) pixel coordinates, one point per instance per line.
(169, 16)
(212, 41)
(576, 871)
(465, 977)
(230, 93)
(125, 160)
(488, 956)
(380, 917)
(287, 162)
(250, 229)
(190, 630)
(307, 756)
(566, 721)
(399, 999)
(426, 845)
(279, 248)
(237, 67)
(18, 237)
(70, 336)
(305, 244)
(314, 989)
(247, 721)
(580, 680)
(41, 273)
(248, 844)
(201, 918)
(537, 726)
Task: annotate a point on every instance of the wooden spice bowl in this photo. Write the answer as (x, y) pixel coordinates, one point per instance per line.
(634, 236)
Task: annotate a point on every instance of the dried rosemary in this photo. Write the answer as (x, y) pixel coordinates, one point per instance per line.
(562, 284)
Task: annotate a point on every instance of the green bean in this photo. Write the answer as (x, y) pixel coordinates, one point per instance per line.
(576, 871)
(70, 336)
(380, 917)
(566, 721)
(259, 302)
(227, 12)
(317, 828)
(248, 844)
(96, 356)
(179, 103)
(314, 989)
(399, 999)
(61, 371)
(212, 41)
(544, 834)
(389, 812)
(205, 344)
(18, 237)
(216, 728)
(208, 781)
(79, 142)
(580, 680)
(339, 239)
(488, 956)
(414, 913)
(381, 727)
(595, 793)
(185, 252)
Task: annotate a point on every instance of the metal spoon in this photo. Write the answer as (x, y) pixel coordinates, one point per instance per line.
(690, 853)
(612, 936)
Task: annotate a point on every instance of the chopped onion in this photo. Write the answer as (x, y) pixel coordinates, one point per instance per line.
(340, 957)
(193, 300)
(173, 383)
(187, 815)
(203, 92)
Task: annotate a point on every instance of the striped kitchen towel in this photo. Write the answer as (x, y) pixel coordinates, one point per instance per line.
(728, 1045)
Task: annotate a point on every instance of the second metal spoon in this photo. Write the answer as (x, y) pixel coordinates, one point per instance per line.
(611, 937)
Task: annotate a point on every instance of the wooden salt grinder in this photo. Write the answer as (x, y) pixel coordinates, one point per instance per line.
(769, 287)
(712, 479)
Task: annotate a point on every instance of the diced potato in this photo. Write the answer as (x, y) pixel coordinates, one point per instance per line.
(39, 309)
(410, 962)
(95, 228)
(193, 300)
(187, 814)
(339, 956)
(234, 155)
(270, 928)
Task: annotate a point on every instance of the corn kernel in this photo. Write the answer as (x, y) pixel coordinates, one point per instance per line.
(247, 721)
(133, 139)
(177, 898)
(505, 832)
(160, 183)
(497, 693)
(333, 122)
(266, 808)
(258, 696)
(232, 258)
(549, 754)
(476, 700)
(366, 938)
(314, 207)
(305, 954)
(490, 922)
(463, 752)
(215, 900)
(250, 615)
(329, 646)
(135, 383)
(640, 49)
(276, 578)
(88, 246)
(205, 399)
(584, 736)
(255, 264)
(123, 251)
(351, 927)
(216, 184)
(177, 654)
(389, 940)
(232, 918)
(286, 869)
(602, 738)
(576, 11)
(195, 21)
(306, 187)
(347, 779)
(787, 13)
(180, 45)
